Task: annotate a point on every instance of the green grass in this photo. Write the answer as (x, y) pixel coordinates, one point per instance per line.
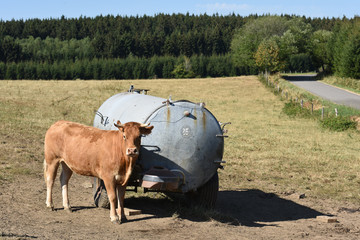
(346, 83)
(266, 150)
(338, 123)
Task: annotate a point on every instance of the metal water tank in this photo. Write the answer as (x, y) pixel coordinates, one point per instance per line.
(185, 148)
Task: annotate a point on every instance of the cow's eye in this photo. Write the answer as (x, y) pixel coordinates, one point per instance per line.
(124, 137)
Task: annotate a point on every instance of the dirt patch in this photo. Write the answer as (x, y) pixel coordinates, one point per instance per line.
(240, 214)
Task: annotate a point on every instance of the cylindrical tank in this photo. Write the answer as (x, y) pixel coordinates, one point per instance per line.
(187, 140)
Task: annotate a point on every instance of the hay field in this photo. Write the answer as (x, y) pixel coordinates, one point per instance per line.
(266, 149)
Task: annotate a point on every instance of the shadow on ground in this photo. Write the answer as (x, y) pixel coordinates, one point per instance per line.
(252, 208)
(300, 78)
(76, 208)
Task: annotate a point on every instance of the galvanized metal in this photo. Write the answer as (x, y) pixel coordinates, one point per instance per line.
(186, 140)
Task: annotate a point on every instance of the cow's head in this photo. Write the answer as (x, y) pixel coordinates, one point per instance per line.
(131, 133)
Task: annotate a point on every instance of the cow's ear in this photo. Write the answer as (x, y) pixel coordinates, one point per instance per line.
(146, 130)
(119, 125)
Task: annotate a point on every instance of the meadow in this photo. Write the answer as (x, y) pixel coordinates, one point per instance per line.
(266, 149)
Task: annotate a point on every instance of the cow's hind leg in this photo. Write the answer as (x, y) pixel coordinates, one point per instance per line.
(50, 171)
(64, 180)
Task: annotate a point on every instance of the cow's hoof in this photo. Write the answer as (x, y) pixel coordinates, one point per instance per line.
(115, 220)
(68, 209)
(51, 208)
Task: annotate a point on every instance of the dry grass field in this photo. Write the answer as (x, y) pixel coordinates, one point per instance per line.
(266, 150)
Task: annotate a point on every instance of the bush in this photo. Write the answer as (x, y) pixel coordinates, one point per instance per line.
(181, 72)
(183, 69)
(338, 123)
(294, 109)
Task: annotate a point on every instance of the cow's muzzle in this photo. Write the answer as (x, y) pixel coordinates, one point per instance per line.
(132, 152)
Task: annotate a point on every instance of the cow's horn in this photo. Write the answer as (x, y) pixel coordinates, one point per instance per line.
(144, 125)
(119, 125)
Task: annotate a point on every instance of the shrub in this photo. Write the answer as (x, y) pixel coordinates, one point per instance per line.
(294, 109)
(338, 123)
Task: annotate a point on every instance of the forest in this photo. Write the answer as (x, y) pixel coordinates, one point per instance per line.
(177, 46)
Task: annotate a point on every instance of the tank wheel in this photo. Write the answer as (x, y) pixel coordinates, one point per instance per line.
(100, 196)
(206, 195)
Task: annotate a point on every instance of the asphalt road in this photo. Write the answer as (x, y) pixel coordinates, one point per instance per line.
(325, 91)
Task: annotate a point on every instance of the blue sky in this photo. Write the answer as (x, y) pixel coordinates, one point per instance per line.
(25, 9)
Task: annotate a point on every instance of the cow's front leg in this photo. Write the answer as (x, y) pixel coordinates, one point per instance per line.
(120, 197)
(110, 188)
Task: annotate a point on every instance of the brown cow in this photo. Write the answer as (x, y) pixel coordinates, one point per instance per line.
(109, 155)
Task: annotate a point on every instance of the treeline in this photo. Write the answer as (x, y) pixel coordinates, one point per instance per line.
(343, 49)
(113, 37)
(282, 44)
(163, 34)
(117, 47)
(127, 68)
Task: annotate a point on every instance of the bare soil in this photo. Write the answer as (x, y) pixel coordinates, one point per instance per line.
(239, 214)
